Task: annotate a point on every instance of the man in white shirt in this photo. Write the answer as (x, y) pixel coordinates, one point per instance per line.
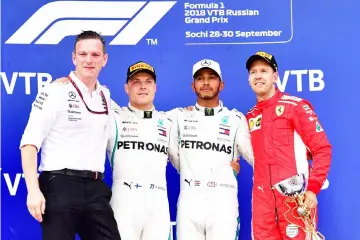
(204, 141)
(69, 122)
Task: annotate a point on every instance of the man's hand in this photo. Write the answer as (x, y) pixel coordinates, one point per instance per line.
(309, 156)
(310, 199)
(61, 80)
(189, 108)
(235, 166)
(36, 204)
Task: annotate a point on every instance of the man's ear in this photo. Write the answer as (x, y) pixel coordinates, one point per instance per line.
(222, 85)
(126, 87)
(106, 57)
(276, 77)
(193, 86)
(73, 55)
(249, 80)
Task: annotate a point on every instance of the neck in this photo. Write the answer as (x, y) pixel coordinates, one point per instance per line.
(266, 96)
(208, 103)
(143, 107)
(90, 83)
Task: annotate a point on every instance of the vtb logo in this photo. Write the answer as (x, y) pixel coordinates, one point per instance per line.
(69, 18)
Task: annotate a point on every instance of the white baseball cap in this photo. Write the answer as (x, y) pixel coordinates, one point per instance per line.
(207, 63)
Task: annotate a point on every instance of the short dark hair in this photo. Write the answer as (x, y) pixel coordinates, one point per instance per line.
(89, 35)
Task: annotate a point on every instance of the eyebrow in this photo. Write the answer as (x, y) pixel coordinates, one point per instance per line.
(211, 74)
(259, 68)
(139, 79)
(91, 52)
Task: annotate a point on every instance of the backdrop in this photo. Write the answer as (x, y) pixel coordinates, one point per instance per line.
(314, 43)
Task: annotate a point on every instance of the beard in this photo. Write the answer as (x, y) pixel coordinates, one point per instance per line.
(208, 95)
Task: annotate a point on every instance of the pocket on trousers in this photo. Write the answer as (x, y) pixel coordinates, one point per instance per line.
(44, 182)
(107, 190)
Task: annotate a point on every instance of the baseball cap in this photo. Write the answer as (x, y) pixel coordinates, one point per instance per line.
(264, 56)
(140, 67)
(207, 63)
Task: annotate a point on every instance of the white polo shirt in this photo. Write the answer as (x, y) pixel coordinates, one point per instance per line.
(69, 135)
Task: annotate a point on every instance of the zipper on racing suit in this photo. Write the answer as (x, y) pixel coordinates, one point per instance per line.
(272, 190)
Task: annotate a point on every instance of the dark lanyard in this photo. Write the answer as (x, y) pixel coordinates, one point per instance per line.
(103, 99)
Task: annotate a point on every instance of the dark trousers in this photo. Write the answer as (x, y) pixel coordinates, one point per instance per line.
(77, 205)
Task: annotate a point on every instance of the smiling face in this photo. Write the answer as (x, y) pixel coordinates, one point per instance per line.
(141, 90)
(262, 78)
(89, 58)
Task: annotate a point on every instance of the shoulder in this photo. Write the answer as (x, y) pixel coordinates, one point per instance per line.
(232, 117)
(176, 110)
(236, 113)
(173, 112)
(104, 88)
(290, 98)
(57, 86)
(295, 102)
(118, 110)
(115, 107)
(251, 112)
(233, 113)
(165, 115)
(56, 89)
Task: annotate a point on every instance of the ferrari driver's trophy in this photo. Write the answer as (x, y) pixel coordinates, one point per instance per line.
(294, 188)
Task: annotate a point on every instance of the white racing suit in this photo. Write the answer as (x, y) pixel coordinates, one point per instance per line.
(138, 152)
(206, 141)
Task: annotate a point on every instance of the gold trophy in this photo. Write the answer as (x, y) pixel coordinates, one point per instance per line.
(294, 188)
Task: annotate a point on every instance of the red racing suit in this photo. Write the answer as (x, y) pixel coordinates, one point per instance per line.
(284, 129)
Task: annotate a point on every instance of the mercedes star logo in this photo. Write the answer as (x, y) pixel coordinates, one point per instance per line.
(206, 63)
(72, 95)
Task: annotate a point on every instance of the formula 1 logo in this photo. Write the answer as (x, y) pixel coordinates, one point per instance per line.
(71, 17)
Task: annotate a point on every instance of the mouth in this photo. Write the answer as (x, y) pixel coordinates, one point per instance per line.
(89, 68)
(206, 89)
(259, 83)
(143, 94)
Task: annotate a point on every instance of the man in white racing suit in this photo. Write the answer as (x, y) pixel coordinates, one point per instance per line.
(138, 152)
(205, 140)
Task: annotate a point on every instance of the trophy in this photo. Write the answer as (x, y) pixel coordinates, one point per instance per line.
(294, 188)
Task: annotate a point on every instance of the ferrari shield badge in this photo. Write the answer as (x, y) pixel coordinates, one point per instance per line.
(279, 110)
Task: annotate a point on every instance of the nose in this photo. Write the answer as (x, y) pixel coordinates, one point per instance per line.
(206, 81)
(142, 85)
(88, 58)
(258, 76)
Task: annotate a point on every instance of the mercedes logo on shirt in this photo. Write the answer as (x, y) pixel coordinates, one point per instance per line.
(206, 63)
(72, 95)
